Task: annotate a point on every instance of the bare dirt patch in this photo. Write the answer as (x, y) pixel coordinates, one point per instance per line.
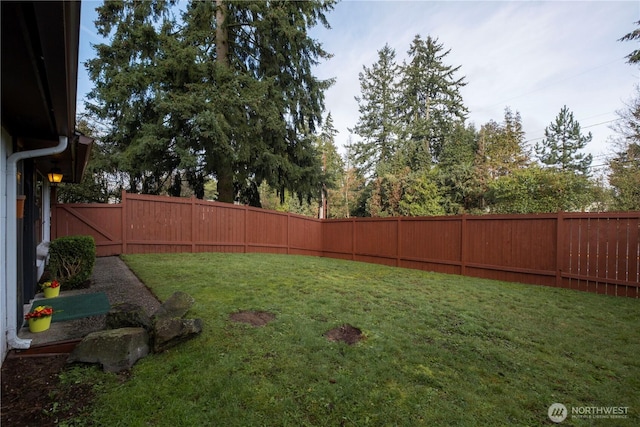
(254, 318)
(32, 393)
(345, 333)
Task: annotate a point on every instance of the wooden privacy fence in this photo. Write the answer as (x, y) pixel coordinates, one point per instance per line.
(594, 252)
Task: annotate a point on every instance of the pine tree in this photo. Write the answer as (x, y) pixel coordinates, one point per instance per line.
(227, 92)
(378, 122)
(562, 143)
(332, 168)
(430, 101)
(126, 89)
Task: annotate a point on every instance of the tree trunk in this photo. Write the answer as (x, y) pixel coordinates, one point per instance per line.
(224, 169)
(224, 173)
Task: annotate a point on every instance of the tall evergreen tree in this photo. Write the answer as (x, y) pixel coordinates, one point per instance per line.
(332, 168)
(430, 101)
(378, 122)
(228, 93)
(562, 143)
(126, 90)
(457, 171)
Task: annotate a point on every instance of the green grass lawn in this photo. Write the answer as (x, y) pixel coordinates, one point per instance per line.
(439, 349)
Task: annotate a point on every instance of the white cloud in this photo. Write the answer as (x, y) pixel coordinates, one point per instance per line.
(532, 56)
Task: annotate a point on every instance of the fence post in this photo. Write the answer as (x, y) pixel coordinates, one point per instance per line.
(246, 218)
(193, 224)
(559, 247)
(288, 232)
(463, 245)
(353, 239)
(398, 246)
(123, 212)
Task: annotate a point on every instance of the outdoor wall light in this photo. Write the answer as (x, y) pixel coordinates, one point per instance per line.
(55, 176)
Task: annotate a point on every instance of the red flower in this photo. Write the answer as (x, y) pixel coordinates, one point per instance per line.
(38, 312)
(52, 284)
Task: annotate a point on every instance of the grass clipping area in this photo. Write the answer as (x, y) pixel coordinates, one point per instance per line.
(437, 349)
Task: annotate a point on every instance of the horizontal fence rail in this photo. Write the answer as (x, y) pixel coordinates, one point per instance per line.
(593, 252)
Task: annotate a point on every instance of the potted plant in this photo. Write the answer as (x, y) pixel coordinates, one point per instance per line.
(51, 289)
(39, 318)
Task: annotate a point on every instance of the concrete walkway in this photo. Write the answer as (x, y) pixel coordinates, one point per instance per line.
(111, 276)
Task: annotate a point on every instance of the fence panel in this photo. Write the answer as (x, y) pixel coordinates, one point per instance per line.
(337, 238)
(602, 253)
(433, 244)
(157, 224)
(514, 248)
(219, 227)
(376, 240)
(305, 236)
(589, 252)
(103, 222)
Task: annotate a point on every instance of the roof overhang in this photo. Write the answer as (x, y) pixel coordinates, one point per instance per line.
(40, 42)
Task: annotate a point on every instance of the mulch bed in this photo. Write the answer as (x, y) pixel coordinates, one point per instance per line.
(32, 393)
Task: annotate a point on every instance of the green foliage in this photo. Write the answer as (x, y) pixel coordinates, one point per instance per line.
(345, 199)
(439, 349)
(209, 95)
(98, 184)
(421, 195)
(535, 190)
(378, 122)
(332, 168)
(71, 260)
(401, 192)
(624, 174)
(408, 115)
(430, 102)
(625, 178)
(562, 143)
(457, 172)
(634, 56)
(270, 199)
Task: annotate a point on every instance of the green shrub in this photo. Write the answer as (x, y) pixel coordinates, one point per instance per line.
(71, 260)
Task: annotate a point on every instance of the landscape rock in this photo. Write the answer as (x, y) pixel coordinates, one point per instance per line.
(177, 305)
(128, 315)
(168, 332)
(114, 349)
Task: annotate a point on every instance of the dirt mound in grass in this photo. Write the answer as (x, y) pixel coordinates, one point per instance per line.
(254, 318)
(345, 333)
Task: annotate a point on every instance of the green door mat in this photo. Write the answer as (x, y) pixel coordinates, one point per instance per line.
(76, 306)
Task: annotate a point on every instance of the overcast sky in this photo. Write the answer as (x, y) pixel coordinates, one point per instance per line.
(534, 57)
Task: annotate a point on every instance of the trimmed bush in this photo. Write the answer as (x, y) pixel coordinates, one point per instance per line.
(71, 260)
